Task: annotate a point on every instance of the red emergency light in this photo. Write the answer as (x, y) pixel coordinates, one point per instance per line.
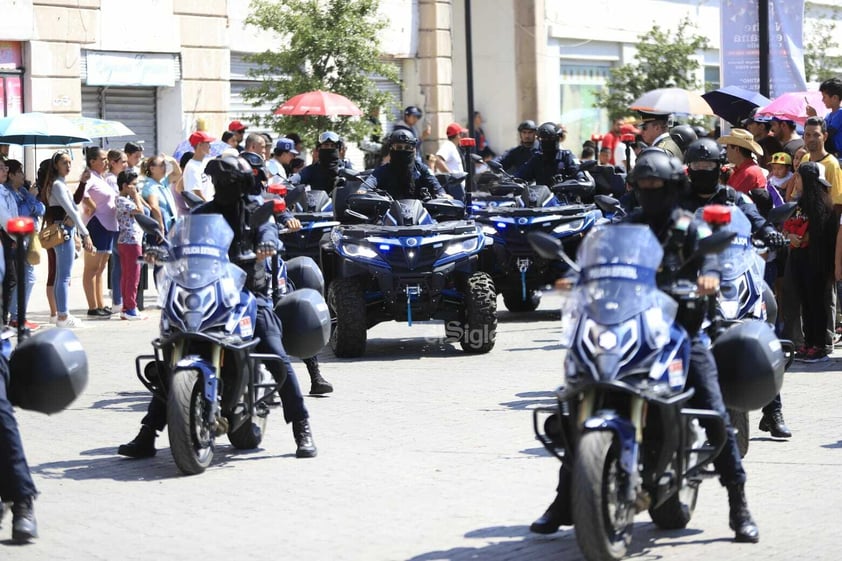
(468, 142)
(717, 215)
(20, 225)
(278, 189)
(280, 205)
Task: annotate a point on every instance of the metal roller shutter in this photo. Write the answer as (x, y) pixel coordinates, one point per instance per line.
(134, 107)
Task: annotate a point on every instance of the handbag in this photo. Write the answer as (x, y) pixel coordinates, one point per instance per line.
(33, 254)
(51, 235)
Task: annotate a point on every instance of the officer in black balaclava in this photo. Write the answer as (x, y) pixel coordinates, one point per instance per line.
(322, 174)
(549, 160)
(703, 167)
(404, 177)
(234, 199)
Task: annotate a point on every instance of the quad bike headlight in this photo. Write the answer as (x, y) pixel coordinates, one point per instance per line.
(358, 250)
(462, 246)
(571, 226)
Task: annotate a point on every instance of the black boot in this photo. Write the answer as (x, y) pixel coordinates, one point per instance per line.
(557, 514)
(318, 385)
(24, 527)
(303, 439)
(774, 423)
(740, 518)
(143, 445)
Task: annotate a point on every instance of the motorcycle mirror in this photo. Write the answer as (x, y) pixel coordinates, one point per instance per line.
(496, 166)
(149, 225)
(191, 199)
(781, 214)
(588, 165)
(608, 205)
(716, 242)
(551, 248)
(345, 172)
(477, 158)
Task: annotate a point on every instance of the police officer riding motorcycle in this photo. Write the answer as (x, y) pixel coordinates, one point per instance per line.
(515, 157)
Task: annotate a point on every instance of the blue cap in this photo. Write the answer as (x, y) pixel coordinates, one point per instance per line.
(286, 145)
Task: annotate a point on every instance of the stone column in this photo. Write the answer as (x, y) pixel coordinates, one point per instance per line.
(530, 45)
(435, 68)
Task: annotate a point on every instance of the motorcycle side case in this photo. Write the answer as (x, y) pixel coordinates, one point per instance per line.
(303, 272)
(751, 364)
(306, 322)
(48, 371)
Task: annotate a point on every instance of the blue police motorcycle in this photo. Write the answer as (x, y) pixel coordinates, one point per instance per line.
(621, 425)
(204, 366)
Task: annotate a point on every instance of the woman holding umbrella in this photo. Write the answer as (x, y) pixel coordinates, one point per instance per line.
(61, 208)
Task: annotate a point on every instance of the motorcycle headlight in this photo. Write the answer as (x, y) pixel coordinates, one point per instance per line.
(358, 250)
(571, 226)
(488, 230)
(462, 246)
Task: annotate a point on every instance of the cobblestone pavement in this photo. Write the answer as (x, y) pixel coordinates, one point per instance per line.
(425, 454)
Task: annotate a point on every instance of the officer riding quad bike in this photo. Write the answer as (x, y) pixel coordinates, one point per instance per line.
(395, 263)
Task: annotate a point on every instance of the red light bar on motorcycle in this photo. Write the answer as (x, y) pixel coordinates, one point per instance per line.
(468, 142)
(717, 215)
(278, 189)
(596, 137)
(627, 137)
(20, 225)
(280, 205)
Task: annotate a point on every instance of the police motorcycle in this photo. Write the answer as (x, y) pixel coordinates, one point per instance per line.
(404, 260)
(519, 273)
(743, 296)
(204, 366)
(621, 424)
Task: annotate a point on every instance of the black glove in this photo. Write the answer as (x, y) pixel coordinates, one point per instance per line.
(775, 240)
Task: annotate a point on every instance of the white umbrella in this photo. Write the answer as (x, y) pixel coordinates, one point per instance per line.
(101, 128)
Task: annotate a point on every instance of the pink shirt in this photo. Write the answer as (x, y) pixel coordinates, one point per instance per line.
(104, 196)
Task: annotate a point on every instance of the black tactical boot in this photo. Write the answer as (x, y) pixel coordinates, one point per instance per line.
(774, 423)
(24, 527)
(740, 518)
(318, 385)
(303, 439)
(143, 445)
(557, 514)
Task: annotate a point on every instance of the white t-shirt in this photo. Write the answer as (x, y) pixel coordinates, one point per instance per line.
(450, 154)
(276, 168)
(620, 155)
(195, 178)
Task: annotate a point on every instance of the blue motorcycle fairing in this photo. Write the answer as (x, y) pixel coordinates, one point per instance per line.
(210, 383)
(624, 430)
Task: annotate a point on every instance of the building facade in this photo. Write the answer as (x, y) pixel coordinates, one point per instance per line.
(164, 66)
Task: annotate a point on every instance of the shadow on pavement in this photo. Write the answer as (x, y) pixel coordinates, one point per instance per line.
(521, 544)
(108, 465)
(402, 349)
(127, 401)
(504, 316)
(837, 444)
(532, 399)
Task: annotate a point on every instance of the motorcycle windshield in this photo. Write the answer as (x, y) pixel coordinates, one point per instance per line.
(617, 280)
(739, 255)
(199, 247)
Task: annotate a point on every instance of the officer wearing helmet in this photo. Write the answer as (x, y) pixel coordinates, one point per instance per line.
(322, 174)
(404, 177)
(703, 164)
(515, 157)
(549, 159)
(660, 182)
(236, 200)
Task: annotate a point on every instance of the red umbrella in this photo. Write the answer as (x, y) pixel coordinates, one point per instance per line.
(318, 103)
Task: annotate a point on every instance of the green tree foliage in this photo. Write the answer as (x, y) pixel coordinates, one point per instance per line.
(329, 45)
(819, 41)
(665, 58)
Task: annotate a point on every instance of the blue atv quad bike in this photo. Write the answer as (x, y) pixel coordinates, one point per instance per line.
(395, 263)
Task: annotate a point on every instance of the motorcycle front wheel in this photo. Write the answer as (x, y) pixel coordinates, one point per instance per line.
(191, 437)
(602, 517)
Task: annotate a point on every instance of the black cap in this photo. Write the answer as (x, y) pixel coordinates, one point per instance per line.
(413, 110)
(132, 147)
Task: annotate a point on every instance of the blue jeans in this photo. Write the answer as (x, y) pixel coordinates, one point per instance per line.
(30, 282)
(64, 264)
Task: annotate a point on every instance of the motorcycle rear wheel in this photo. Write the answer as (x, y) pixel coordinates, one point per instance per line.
(602, 519)
(191, 438)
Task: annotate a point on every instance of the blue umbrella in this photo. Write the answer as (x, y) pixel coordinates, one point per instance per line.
(39, 129)
(734, 103)
(216, 148)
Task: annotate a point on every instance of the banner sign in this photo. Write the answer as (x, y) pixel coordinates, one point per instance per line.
(740, 48)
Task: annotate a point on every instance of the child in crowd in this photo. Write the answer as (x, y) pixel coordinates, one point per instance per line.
(129, 242)
(780, 171)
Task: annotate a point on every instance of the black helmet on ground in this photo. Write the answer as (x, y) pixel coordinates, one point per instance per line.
(527, 125)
